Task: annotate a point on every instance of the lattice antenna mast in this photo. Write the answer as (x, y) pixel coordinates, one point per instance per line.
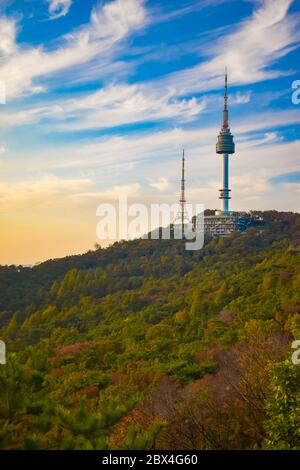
(182, 200)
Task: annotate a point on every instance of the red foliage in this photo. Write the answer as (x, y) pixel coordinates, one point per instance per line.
(73, 349)
(57, 372)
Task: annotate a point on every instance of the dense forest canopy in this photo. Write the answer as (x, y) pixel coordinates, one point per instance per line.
(145, 345)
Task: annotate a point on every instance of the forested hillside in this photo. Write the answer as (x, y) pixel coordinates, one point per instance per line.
(144, 345)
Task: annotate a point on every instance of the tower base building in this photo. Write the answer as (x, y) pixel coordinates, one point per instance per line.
(222, 225)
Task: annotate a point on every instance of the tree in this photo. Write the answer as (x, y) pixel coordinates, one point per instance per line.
(283, 408)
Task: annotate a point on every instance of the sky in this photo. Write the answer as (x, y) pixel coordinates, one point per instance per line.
(98, 99)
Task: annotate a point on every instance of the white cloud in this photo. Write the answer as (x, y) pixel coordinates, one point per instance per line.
(114, 156)
(3, 150)
(59, 8)
(161, 185)
(240, 98)
(48, 183)
(40, 191)
(269, 157)
(111, 106)
(124, 104)
(51, 190)
(268, 120)
(272, 137)
(109, 24)
(258, 43)
(249, 51)
(27, 116)
(7, 37)
(110, 194)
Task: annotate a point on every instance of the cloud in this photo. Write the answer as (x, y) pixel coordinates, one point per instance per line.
(249, 51)
(268, 35)
(109, 24)
(259, 139)
(49, 190)
(124, 104)
(286, 178)
(240, 98)
(272, 137)
(59, 8)
(110, 194)
(40, 192)
(188, 8)
(161, 185)
(202, 173)
(113, 159)
(27, 116)
(109, 107)
(8, 37)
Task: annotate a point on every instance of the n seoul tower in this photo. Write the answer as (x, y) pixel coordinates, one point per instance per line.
(225, 147)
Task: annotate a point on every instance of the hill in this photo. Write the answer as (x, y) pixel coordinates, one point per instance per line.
(146, 345)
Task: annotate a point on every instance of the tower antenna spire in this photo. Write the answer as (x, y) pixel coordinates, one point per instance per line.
(225, 112)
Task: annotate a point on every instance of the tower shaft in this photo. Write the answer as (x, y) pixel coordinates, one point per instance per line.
(225, 191)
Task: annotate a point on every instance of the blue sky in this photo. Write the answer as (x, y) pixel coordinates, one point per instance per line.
(101, 97)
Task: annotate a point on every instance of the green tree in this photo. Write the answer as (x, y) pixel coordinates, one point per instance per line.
(283, 408)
